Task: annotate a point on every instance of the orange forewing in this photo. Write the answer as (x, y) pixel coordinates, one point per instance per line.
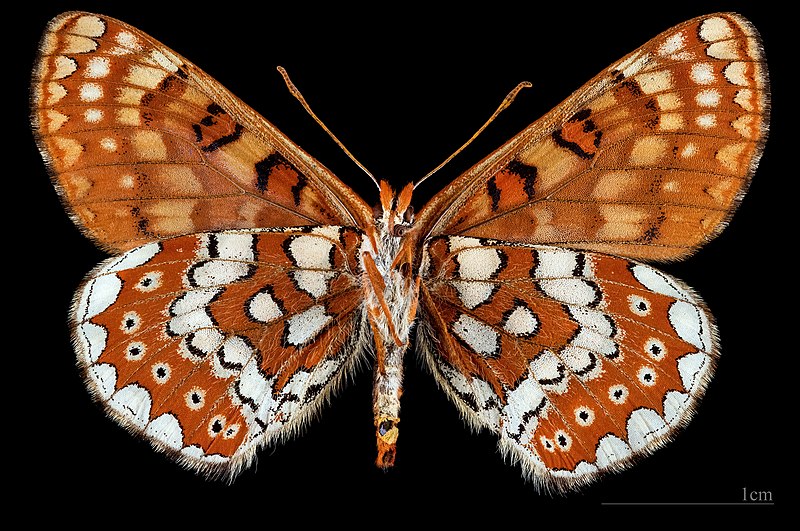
(144, 145)
(648, 160)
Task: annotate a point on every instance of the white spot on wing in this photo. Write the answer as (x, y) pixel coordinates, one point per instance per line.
(692, 368)
(193, 300)
(232, 357)
(549, 371)
(89, 26)
(163, 61)
(708, 98)
(481, 391)
(127, 39)
(725, 50)
(655, 81)
(133, 258)
(311, 252)
(92, 339)
(92, 116)
(473, 293)
(65, 67)
(145, 76)
(570, 290)
(328, 231)
(691, 324)
(234, 246)
(97, 67)
(166, 430)
(521, 322)
(133, 403)
(313, 282)
(702, 73)
(645, 426)
(736, 73)
(592, 319)
(706, 121)
(519, 403)
(672, 44)
(218, 272)
(236, 351)
(479, 336)
(195, 452)
(478, 263)
(254, 386)
(715, 29)
(580, 361)
(633, 64)
(595, 342)
(456, 243)
(675, 404)
(305, 326)
(90, 92)
(658, 282)
(108, 143)
(582, 469)
(206, 340)
(104, 376)
(97, 295)
(555, 263)
(187, 323)
(611, 449)
(263, 308)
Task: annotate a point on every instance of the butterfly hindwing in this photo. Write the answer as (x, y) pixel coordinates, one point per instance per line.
(579, 361)
(210, 345)
(143, 145)
(648, 160)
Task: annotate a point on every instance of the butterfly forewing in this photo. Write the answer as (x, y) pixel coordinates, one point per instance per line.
(648, 160)
(210, 345)
(144, 145)
(579, 361)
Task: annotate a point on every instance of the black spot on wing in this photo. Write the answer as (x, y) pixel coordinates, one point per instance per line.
(526, 418)
(302, 182)
(224, 140)
(266, 166)
(527, 173)
(494, 193)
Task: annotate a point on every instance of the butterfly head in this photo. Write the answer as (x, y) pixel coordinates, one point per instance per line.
(395, 213)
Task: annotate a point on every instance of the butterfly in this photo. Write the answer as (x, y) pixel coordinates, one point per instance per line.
(246, 280)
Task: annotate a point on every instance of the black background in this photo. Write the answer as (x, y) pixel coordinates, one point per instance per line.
(402, 85)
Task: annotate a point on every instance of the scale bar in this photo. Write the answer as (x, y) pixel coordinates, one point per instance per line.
(688, 503)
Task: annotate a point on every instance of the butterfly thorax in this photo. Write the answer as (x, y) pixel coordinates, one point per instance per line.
(391, 300)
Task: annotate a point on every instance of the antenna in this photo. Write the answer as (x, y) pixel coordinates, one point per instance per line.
(505, 103)
(296, 93)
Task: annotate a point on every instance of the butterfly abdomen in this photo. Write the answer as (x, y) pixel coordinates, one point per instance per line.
(391, 299)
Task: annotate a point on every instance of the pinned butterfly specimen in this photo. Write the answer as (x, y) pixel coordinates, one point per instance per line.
(246, 279)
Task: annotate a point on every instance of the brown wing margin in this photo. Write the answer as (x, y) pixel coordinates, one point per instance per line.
(143, 145)
(648, 160)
